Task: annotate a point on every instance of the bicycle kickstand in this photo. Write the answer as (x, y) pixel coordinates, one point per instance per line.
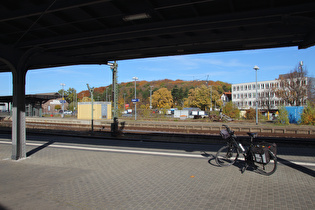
(244, 168)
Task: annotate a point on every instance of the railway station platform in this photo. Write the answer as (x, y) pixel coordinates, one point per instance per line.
(87, 173)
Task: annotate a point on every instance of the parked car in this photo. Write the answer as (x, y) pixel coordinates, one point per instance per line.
(68, 112)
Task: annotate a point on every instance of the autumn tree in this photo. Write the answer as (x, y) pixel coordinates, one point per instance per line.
(86, 99)
(308, 116)
(201, 96)
(293, 86)
(231, 110)
(250, 114)
(162, 98)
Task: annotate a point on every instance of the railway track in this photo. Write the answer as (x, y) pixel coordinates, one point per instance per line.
(167, 128)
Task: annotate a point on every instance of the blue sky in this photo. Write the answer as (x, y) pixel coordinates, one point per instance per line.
(232, 67)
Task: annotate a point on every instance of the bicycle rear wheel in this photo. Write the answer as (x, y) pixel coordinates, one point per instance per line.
(226, 156)
(269, 168)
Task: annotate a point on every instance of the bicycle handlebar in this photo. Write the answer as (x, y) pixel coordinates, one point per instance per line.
(227, 128)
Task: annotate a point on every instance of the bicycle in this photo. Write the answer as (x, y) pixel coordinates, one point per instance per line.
(261, 157)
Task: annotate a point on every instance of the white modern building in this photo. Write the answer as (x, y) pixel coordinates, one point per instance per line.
(244, 95)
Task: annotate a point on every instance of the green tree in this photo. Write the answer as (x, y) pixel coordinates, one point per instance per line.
(145, 111)
(57, 107)
(226, 87)
(162, 98)
(178, 95)
(71, 106)
(69, 95)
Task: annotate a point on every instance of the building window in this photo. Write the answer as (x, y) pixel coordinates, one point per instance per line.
(245, 95)
(238, 88)
(262, 86)
(238, 95)
(234, 96)
(267, 85)
(249, 87)
(242, 95)
(241, 87)
(234, 88)
(245, 87)
(249, 95)
(254, 87)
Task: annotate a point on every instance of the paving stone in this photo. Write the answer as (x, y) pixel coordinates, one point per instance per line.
(59, 178)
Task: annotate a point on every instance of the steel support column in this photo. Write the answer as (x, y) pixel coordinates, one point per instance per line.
(18, 115)
(18, 62)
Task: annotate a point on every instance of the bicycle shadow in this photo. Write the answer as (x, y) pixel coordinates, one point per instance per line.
(211, 160)
(239, 163)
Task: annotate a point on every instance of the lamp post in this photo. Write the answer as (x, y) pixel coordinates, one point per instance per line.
(135, 79)
(63, 98)
(113, 67)
(91, 91)
(256, 68)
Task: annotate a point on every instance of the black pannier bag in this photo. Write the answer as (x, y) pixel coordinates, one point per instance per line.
(225, 134)
(261, 154)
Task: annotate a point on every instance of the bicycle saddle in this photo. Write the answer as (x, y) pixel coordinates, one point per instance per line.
(254, 135)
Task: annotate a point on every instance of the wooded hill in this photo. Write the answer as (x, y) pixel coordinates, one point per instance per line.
(179, 88)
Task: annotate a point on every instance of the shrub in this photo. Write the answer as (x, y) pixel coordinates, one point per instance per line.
(231, 110)
(251, 114)
(308, 115)
(283, 117)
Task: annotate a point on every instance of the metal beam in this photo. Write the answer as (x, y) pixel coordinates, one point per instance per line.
(38, 10)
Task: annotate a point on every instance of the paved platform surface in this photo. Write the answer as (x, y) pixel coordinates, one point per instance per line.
(77, 173)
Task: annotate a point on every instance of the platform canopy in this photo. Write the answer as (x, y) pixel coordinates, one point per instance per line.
(33, 98)
(64, 32)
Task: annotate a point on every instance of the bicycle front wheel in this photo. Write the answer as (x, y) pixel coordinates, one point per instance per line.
(226, 156)
(269, 168)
